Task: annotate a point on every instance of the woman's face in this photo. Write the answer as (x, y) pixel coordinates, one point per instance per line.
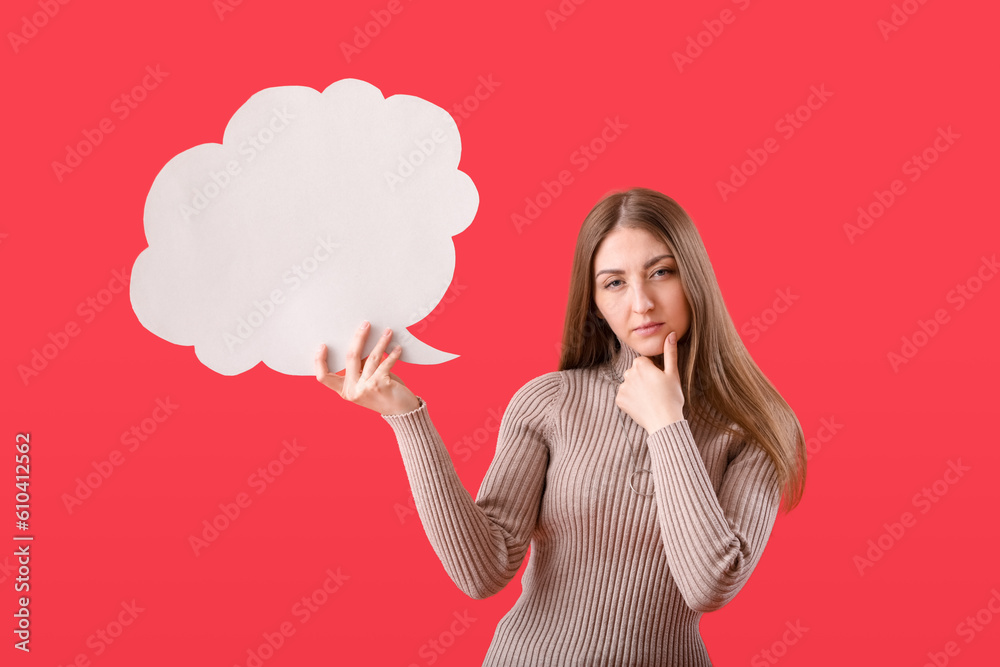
(635, 283)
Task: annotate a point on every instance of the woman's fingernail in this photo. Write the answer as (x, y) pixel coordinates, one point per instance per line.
(386, 332)
(364, 324)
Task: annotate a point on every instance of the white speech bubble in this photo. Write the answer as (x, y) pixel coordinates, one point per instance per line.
(317, 210)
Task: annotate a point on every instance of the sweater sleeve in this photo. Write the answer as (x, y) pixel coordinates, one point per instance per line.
(481, 543)
(712, 543)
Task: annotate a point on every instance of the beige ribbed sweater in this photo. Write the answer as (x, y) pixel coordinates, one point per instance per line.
(614, 578)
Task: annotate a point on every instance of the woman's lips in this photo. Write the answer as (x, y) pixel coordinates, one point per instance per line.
(653, 328)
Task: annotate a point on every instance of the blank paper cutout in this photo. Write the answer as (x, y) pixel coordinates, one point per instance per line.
(317, 210)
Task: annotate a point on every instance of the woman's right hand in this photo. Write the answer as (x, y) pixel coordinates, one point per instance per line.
(373, 386)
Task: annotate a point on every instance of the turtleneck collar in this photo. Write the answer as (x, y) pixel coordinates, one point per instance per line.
(622, 360)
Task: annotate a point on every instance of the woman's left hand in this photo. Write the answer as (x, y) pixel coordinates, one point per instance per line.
(651, 397)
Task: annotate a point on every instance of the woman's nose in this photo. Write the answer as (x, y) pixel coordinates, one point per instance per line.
(640, 300)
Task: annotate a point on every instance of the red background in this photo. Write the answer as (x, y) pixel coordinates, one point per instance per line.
(336, 506)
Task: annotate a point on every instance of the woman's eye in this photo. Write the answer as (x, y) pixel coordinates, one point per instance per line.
(663, 270)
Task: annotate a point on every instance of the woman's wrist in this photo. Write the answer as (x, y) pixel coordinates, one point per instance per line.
(419, 403)
(666, 419)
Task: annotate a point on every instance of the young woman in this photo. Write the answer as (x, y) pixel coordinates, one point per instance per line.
(646, 473)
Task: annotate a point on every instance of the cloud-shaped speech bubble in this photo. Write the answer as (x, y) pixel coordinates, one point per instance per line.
(317, 210)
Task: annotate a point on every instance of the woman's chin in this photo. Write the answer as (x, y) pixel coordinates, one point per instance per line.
(650, 347)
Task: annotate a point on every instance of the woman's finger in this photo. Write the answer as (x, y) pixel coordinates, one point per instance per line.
(353, 361)
(375, 358)
(323, 373)
(385, 366)
(393, 375)
(670, 353)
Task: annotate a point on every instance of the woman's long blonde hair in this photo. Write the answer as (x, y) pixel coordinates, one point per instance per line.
(711, 357)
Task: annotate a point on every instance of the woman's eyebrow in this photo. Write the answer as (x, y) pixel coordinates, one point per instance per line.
(645, 266)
